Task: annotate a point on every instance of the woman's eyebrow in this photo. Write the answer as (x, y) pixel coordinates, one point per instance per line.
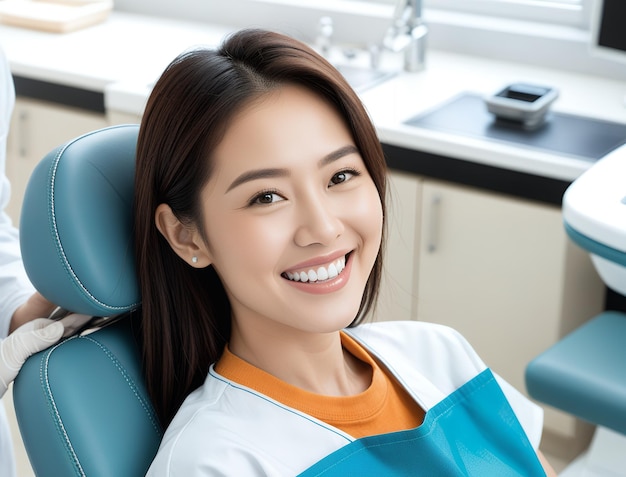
(277, 172)
(338, 154)
(257, 174)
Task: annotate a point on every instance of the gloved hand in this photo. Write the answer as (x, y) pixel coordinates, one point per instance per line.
(28, 339)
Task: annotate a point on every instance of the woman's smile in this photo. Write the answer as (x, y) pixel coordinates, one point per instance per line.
(323, 279)
(312, 273)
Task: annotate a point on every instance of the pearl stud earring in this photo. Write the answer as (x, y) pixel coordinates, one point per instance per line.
(194, 259)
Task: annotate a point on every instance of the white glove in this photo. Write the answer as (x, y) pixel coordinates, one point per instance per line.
(28, 339)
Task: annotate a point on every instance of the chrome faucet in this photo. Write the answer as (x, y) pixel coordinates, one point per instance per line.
(408, 33)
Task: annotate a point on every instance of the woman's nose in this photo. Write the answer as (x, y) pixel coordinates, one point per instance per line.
(318, 223)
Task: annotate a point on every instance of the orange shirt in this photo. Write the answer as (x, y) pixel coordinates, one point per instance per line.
(383, 407)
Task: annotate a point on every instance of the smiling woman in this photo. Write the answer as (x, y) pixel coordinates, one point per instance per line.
(259, 218)
(228, 98)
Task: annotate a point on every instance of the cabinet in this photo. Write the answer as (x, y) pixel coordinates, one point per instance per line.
(37, 128)
(398, 282)
(118, 117)
(501, 270)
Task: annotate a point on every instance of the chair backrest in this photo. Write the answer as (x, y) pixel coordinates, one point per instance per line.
(82, 406)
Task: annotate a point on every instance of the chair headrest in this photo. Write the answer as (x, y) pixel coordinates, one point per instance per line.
(76, 224)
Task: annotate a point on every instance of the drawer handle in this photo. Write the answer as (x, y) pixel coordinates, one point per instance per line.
(23, 134)
(433, 226)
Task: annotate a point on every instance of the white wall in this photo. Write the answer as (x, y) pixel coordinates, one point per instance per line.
(365, 23)
(296, 17)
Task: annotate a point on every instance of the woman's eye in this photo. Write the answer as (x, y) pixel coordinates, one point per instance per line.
(265, 198)
(342, 176)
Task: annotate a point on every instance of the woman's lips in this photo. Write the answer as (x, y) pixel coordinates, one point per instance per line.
(315, 274)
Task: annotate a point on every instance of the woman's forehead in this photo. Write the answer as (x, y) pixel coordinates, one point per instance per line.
(287, 124)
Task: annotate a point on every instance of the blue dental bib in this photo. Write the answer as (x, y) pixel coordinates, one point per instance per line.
(472, 432)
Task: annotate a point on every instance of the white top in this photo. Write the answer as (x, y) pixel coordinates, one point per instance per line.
(14, 285)
(225, 429)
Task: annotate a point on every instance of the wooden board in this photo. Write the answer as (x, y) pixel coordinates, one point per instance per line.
(57, 17)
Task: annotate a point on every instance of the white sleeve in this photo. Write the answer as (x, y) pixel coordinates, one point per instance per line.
(15, 288)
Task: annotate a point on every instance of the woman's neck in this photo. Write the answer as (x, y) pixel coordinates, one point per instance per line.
(315, 362)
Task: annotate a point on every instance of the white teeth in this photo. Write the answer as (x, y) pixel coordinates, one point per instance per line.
(321, 274)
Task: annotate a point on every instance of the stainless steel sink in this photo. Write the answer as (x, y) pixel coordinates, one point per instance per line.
(361, 78)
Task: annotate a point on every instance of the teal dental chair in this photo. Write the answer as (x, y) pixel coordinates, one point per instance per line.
(82, 406)
(584, 374)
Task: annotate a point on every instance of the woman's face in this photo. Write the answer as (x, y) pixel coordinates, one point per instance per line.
(293, 219)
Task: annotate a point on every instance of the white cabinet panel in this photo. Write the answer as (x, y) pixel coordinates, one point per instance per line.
(397, 293)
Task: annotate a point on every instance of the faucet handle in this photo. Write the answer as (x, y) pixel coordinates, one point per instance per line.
(325, 31)
(408, 33)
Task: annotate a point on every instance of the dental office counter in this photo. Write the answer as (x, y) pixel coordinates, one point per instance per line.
(475, 233)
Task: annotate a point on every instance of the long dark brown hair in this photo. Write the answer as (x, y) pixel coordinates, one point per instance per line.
(185, 311)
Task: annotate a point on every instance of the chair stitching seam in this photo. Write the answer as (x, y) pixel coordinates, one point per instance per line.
(129, 382)
(55, 412)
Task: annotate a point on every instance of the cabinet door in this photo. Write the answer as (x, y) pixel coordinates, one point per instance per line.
(502, 272)
(116, 117)
(36, 129)
(397, 291)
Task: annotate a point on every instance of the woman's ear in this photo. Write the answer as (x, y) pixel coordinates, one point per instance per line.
(186, 242)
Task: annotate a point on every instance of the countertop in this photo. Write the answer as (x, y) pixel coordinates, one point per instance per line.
(123, 56)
